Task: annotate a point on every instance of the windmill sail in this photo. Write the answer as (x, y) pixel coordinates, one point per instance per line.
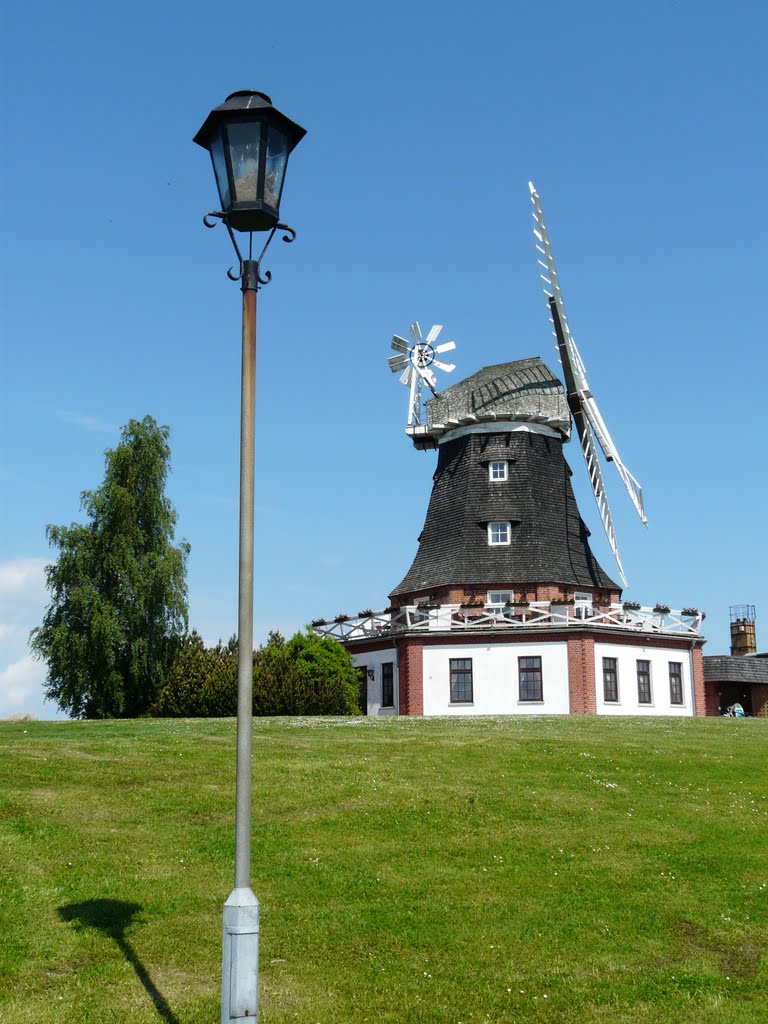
(581, 402)
(584, 430)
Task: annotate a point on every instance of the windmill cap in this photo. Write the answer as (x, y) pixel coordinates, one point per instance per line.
(525, 390)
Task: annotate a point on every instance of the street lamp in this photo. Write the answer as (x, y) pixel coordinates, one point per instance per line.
(249, 141)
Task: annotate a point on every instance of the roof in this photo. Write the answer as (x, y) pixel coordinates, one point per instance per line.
(525, 390)
(549, 540)
(729, 668)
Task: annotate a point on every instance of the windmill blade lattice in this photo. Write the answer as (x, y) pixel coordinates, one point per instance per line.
(586, 415)
(416, 362)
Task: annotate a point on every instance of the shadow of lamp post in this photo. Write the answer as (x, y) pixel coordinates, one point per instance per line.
(249, 141)
(113, 918)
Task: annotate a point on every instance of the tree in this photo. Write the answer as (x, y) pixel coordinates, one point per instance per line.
(118, 590)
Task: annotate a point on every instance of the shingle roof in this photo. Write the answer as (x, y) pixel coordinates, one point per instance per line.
(724, 668)
(549, 538)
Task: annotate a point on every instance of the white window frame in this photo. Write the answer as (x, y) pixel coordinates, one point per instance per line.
(504, 471)
(638, 663)
(523, 679)
(615, 670)
(582, 603)
(391, 666)
(497, 599)
(677, 703)
(507, 530)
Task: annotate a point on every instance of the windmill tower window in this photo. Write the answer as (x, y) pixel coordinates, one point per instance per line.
(499, 533)
(498, 471)
(582, 601)
(497, 599)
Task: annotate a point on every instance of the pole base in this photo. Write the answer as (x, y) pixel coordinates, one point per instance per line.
(240, 958)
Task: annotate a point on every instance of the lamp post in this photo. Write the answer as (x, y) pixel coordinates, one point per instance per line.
(249, 141)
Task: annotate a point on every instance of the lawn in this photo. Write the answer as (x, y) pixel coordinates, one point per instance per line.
(458, 871)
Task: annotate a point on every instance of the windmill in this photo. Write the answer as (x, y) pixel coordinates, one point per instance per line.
(417, 361)
(586, 416)
(505, 608)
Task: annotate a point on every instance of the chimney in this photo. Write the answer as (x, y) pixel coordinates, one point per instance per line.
(743, 639)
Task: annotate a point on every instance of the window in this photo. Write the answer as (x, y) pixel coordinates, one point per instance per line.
(675, 682)
(461, 680)
(610, 679)
(499, 533)
(530, 678)
(420, 614)
(388, 684)
(498, 599)
(582, 604)
(497, 471)
(643, 681)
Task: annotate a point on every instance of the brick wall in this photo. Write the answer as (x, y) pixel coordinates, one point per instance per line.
(581, 675)
(703, 705)
(411, 677)
(463, 594)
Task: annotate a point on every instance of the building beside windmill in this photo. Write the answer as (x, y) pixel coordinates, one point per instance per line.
(741, 677)
(505, 609)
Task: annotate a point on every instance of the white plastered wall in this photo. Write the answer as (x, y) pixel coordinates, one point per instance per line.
(659, 657)
(373, 660)
(495, 681)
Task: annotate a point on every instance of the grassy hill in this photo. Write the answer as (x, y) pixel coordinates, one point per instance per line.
(457, 871)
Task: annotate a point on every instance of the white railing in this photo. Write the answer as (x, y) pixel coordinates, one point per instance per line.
(448, 618)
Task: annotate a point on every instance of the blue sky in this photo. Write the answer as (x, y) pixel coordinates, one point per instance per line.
(643, 128)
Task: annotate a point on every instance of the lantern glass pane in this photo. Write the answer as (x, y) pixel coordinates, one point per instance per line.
(244, 145)
(220, 169)
(277, 156)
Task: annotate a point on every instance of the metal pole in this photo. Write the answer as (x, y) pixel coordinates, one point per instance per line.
(245, 583)
(240, 957)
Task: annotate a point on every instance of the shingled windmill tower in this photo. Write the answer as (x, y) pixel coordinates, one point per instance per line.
(502, 517)
(505, 608)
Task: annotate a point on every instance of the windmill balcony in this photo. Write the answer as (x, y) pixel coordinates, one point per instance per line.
(453, 618)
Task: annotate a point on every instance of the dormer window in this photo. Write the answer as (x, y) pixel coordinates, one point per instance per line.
(498, 471)
(499, 533)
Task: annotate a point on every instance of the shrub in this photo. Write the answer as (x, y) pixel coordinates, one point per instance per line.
(306, 675)
(202, 682)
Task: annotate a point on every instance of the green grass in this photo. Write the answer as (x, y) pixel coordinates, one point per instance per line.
(476, 870)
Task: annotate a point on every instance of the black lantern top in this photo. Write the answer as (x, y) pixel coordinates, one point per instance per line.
(249, 141)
